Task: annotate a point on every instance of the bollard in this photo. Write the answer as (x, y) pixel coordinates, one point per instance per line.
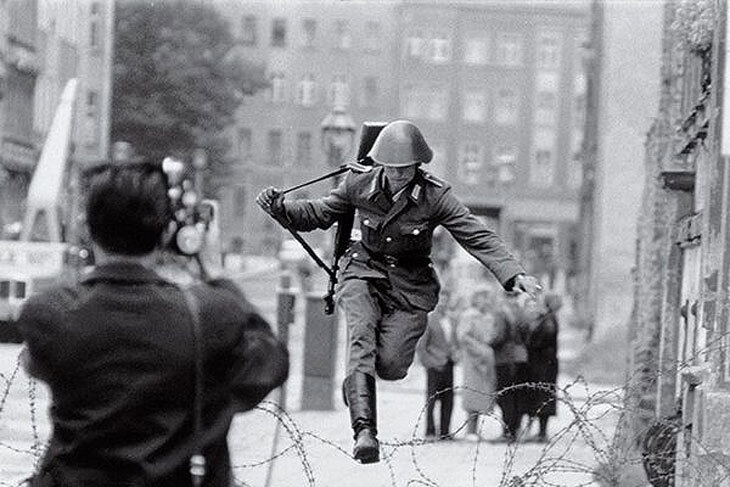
(284, 318)
(320, 346)
(285, 299)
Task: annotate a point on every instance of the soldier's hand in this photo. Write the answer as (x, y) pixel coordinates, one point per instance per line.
(528, 284)
(271, 200)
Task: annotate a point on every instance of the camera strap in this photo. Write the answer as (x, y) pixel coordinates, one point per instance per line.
(197, 460)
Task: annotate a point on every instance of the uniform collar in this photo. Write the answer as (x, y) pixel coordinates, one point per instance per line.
(414, 189)
(122, 272)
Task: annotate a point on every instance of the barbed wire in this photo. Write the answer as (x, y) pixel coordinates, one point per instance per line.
(587, 412)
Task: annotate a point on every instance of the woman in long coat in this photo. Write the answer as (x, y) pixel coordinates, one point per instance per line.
(542, 362)
(475, 332)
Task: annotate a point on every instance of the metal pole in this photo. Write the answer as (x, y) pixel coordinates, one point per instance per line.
(284, 318)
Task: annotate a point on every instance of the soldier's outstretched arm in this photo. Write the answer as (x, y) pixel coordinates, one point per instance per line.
(306, 215)
(477, 239)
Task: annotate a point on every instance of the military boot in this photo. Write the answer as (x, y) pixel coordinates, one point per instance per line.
(359, 390)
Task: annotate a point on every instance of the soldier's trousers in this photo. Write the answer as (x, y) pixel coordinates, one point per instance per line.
(382, 337)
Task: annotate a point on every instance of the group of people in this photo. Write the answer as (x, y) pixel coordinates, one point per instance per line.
(506, 344)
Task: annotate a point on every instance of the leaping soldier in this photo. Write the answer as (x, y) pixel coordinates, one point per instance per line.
(387, 284)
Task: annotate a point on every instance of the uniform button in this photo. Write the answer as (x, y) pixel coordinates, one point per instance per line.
(416, 231)
(388, 239)
(366, 222)
(354, 255)
(392, 265)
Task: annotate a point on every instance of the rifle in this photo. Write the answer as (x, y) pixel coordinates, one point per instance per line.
(369, 133)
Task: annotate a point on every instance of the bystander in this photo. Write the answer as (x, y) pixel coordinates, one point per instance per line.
(145, 376)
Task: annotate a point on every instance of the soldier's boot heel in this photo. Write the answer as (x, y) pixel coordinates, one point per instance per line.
(367, 447)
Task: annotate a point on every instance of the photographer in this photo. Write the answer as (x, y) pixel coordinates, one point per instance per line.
(123, 350)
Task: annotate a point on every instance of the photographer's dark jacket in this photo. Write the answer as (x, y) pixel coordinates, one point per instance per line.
(116, 350)
(397, 236)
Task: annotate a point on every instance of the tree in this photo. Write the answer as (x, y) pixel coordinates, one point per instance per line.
(178, 80)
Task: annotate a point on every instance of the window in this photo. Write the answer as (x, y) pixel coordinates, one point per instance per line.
(304, 148)
(91, 125)
(370, 92)
(244, 143)
(415, 45)
(509, 49)
(309, 29)
(412, 101)
(91, 103)
(438, 104)
(94, 34)
(440, 49)
(475, 51)
(239, 202)
(343, 39)
(429, 102)
(373, 35)
(575, 171)
(542, 165)
(470, 162)
(95, 8)
(579, 110)
(339, 94)
(275, 148)
(307, 91)
(546, 108)
(505, 161)
(506, 111)
(278, 88)
(548, 51)
(474, 106)
(278, 33)
(248, 30)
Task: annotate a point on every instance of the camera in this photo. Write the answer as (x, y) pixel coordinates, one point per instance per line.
(193, 219)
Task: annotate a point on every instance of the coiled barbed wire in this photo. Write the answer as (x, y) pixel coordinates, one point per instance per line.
(587, 410)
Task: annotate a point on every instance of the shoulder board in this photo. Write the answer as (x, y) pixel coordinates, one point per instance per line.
(433, 179)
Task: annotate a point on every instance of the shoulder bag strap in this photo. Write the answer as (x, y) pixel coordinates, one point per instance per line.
(197, 460)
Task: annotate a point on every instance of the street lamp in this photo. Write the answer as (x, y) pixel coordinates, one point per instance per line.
(338, 135)
(320, 335)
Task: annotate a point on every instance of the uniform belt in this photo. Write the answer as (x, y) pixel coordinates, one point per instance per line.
(400, 260)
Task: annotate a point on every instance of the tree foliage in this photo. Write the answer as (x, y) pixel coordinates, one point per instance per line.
(178, 80)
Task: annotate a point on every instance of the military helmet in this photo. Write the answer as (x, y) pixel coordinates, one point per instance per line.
(400, 144)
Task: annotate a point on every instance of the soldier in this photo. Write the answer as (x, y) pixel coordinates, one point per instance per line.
(387, 283)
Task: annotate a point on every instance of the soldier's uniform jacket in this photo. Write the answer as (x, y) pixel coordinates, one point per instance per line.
(397, 235)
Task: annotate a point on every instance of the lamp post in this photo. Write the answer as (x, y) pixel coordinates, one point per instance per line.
(320, 332)
(338, 136)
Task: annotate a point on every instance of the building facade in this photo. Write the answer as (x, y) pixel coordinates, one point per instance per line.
(498, 89)
(679, 387)
(19, 68)
(50, 42)
(318, 55)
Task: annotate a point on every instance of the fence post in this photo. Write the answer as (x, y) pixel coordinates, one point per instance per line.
(320, 346)
(285, 299)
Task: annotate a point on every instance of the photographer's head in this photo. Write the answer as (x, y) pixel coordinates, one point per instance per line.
(127, 208)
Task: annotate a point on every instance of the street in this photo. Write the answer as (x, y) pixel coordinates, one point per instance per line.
(314, 446)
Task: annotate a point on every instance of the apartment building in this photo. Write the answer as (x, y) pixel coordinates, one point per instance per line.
(497, 87)
(43, 44)
(318, 55)
(499, 90)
